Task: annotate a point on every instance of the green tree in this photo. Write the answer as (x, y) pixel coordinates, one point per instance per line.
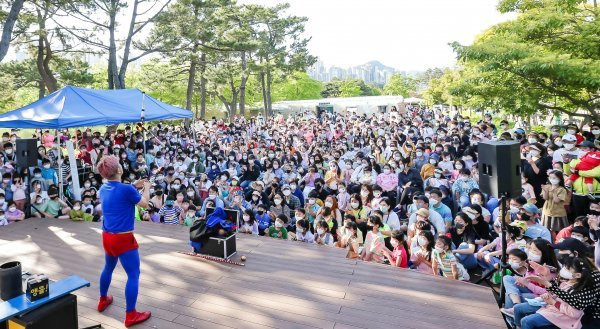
(545, 60)
(297, 86)
(400, 85)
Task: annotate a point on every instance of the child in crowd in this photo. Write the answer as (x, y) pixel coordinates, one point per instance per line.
(278, 230)
(303, 232)
(249, 223)
(398, 257)
(374, 241)
(421, 255)
(444, 262)
(322, 236)
(3, 220)
(76, 214)
(13, 213)
(190, 216)
(169, 213)
(263, 219)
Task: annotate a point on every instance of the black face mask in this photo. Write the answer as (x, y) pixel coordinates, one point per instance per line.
(459, 226)
(594, 212)
(260, 212)
(525, 217)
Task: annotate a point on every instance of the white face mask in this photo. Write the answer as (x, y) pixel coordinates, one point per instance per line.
(287, 192)
(320, 231)
(514, 210)
(277, 201)
(293, 187)
(514, 265)
(394, 242)
(354, 205)
(246, 218)
(190, 193)
(386, 171)
(534, 257)
(554, 181)
(12, 209)
(76, 208)
(571, 131)
(87, 185)
(278, 224)
(328, 204)
(433, 202)
(596, 131)
(440, 250)
(565, 274)
(419, 154)
(422, 241)
(438, 176)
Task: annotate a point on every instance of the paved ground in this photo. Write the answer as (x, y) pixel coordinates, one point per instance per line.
(283, 285)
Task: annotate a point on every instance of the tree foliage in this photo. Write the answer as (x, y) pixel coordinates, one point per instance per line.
(546, 59)
(400, 85)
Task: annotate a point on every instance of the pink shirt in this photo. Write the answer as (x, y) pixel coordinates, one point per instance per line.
(387, 182)
(48, 140)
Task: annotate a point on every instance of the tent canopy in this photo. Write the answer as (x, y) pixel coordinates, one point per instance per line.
(72, 107)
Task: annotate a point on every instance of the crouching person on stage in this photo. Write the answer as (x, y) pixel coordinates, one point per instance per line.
(118, 208)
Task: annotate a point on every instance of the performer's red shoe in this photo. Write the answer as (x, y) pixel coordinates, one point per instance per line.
(135, 317)
(104, 302)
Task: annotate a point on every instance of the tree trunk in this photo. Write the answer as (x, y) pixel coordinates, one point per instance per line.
(202, 86)
(41, 89)
(113, 74)
(191, 79)
(268, 91)
(263, 86)
(126, 50)
(44, 55)
(243, 84)
(8, 26)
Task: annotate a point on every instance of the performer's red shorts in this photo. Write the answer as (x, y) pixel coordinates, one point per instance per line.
(116, 244)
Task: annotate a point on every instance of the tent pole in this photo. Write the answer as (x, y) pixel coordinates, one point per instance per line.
(144, 124)
(59, 166)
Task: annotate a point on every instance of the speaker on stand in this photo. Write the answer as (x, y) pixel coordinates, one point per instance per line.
(26, 151)
(500, 177)
(27, 156)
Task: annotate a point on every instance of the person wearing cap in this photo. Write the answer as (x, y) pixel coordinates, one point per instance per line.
(535, 165)
(529, 214)
(424, 210)
(568, 150)
(574, 130)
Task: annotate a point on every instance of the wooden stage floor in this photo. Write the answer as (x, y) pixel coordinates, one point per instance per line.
(283, 285)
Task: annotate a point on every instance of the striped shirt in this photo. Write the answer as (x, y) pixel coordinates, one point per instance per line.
(445, 262)
(170, 214)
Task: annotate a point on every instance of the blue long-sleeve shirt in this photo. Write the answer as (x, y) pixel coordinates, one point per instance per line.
(264, 221)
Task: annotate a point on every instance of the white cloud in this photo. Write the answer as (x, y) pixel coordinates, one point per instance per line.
(405, 34)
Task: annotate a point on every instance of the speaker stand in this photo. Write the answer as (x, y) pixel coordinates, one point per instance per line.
(503, 260)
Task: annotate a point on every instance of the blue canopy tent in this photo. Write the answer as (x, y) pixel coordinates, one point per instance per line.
(72, 107)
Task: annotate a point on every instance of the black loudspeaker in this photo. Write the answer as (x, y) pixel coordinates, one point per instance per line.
(27, 154)
(500, 168)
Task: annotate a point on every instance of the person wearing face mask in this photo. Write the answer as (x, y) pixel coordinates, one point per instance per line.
(442, 260)
(322, 235)
(571, 298)
(463, 186)
(302, 232)
(213, 193)
(343, 198)
(554, 214)
(196, 167)
(77, 214)
(13, 214)
(569, 148)
(374, 241)
(249, 224)
(421, 254)
(535, 166)
(528, 214)
(278, 230)
(387, 180)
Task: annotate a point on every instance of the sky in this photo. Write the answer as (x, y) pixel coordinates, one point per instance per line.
(409, 35)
